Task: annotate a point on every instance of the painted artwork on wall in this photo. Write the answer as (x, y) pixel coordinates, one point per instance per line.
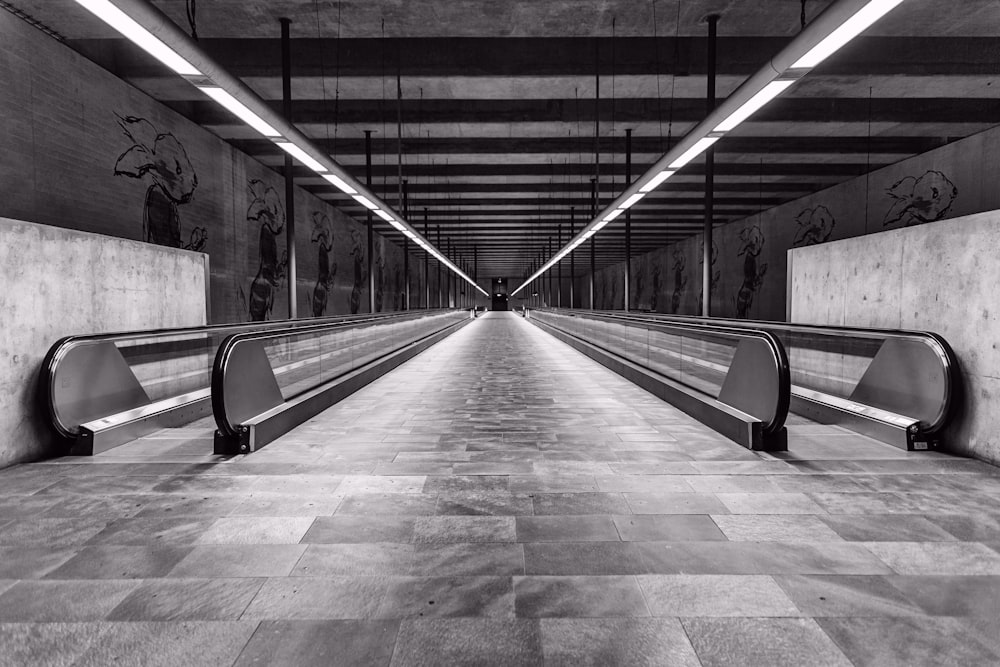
(751, 246)
(266, 210)
(358, 257)
(919, 200)
(657, 285)
(813, 225)
(379, 277)
(680, 280)
(716, 274)
(322, 236)
(160, 159)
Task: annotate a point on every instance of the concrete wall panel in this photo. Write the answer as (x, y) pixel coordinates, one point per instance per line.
(940, 277)
(60, 282)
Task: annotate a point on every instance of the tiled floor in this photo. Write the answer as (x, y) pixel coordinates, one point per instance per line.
(501, 499)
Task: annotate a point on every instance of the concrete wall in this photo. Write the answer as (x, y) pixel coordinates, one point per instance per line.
(748, 266)
(81, 149)
(59, 282)
(940, 277)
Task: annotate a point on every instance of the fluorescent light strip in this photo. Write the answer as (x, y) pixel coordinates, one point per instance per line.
(699, 147)
(240, 110)
(763, 96)
(610, 216)
(631, 201)
(365, 201)
(656, 180)
(340, 184)
(300, 155)
(139, 36)
(847, 31)
(408, 234)
(385, 216)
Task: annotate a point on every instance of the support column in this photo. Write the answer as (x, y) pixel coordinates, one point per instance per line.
(572, 259)
(286, 99)
(427, 265)
(406, 248)
(370, 259)
(706, 272)
(628, 223)
(593, 239)
(440, 249)
(559, 244)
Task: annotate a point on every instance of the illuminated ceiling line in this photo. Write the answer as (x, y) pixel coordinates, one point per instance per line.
(147, 27)
(836, 26)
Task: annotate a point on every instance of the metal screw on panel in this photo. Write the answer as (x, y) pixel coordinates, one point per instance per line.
(243, 448)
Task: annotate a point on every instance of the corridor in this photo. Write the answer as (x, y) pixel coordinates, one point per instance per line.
(502, 500)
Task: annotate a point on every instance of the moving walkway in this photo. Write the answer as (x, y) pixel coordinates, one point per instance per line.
(103, 390)
(899, 387)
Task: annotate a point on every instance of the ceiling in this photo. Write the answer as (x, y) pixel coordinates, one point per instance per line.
(497, 114)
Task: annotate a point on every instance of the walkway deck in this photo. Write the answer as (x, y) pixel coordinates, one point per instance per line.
(501, 499)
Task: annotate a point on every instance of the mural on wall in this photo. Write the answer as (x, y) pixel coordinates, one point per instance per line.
(160, 158)
(815, 225)
(713, 281)
(322, 236)
(919, 200)
(680, 280)
(399, 299)
(752, 244)
(266, 209)
(379, 277)
(358, 255)
(638, 283)
(657, 285)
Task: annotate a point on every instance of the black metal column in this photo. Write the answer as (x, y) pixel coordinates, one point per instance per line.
(440, 249)
(371, 238)
(559, 268)
(286, 99)
(427, 265)
(406, 248)
(706, 272)
(593, 239)
(572, 259)
(628, 223)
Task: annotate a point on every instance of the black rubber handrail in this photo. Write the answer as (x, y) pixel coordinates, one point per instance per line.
(222, 356)
(774, 344)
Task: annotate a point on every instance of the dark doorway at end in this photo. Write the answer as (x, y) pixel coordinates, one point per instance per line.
(498, 292)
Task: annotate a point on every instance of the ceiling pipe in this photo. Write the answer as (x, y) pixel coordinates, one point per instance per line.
(204, 72)
(789, 65)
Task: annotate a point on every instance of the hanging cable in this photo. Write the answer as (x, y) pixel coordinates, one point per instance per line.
(322, 73)
(336, 99)
(802, 16)
(382, 113)
(192, 10)
(656, 71)
(673, 76)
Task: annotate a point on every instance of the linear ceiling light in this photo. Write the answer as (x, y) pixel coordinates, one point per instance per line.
(300, 155)
(239, 110)
(747, 109)
(340, 184)
(699, 147)
(847, 31)
(655, 182)
(145, 25)
(840, 22)
(365, 201)
(127, 26)
(628, 203)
